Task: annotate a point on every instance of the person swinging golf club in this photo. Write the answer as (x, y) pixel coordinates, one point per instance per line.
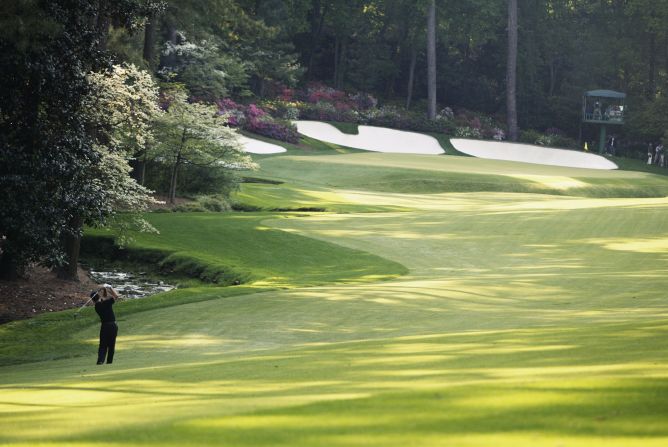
(104, 298)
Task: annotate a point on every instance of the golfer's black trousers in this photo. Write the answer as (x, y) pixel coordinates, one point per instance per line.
(108, 332)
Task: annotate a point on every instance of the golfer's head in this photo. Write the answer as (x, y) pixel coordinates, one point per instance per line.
(96, 295)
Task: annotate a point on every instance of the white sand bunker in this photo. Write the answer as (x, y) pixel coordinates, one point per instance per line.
(254, 146)
(531, 154)
(377, 139)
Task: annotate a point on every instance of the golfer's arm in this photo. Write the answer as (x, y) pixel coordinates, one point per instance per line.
(113, 293)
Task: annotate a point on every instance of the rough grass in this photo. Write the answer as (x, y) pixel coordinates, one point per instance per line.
(523, 320)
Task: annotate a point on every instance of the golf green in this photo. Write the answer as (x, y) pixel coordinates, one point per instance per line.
(523, 320)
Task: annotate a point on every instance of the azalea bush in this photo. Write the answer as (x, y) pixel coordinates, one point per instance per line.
(319, 102)
(256, 119)
(467, 132)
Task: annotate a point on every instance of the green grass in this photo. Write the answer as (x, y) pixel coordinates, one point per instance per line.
(229, 245)
(349, 128)
(632, 164)
(522, 319)
(439, 174)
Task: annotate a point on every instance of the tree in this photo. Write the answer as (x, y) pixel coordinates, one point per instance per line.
(247, 52)
(208, 73)
(120, 109)
(47, 149)
(431, 60)
(511, 77)
(194, 133)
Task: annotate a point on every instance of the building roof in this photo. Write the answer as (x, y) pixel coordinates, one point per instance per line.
(605, 94)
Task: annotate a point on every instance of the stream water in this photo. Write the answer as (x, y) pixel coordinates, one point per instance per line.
(130, 285)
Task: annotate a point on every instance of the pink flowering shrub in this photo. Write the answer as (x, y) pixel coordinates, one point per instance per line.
(253, 112)
(254, 119)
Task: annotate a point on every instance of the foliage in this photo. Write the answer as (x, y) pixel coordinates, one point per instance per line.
(647, 120)
(468, 132)
(122, 108)
(216, 203)
(254, 118)
(530, 136)
(48, 151)
(208, 72)
(552, 137)
(191, 133)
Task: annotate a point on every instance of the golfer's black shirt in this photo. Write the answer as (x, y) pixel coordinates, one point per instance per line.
(104, 310)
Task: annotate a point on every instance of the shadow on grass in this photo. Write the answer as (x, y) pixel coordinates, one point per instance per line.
(527, 387)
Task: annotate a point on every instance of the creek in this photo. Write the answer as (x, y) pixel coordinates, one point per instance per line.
(130, 285)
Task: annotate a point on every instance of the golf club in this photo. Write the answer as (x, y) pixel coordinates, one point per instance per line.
(76, 314)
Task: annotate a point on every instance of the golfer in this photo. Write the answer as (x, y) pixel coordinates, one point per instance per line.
(104, 298)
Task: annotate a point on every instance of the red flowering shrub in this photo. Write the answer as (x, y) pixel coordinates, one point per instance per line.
(254, 119)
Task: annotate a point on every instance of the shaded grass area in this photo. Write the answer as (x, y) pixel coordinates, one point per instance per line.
(259, 254)
(476, 388)
(632, 164)
(203, 245)
(55, 335)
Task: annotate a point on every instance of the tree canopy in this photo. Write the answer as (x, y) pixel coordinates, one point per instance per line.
(79, 84)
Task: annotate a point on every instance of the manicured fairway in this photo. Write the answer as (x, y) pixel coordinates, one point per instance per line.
(524, 320)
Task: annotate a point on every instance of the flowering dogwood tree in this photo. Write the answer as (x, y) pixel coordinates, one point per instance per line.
(195, 133)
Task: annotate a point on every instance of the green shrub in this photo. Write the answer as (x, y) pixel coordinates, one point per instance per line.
(216, 204)
(530, 136)
(239, 206)
(192, 207)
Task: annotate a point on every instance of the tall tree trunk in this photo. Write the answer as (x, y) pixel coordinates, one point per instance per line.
(317, 22)
(411, 77)
(170, 59)
(511, 76)
(142, 175)
(149, 40)
(175, 170)
(71, 246)
(172, 181)
(431, 60)
(343, 57)
(665, 53)
(395, 57)
(138, 165)
(651, 76)
(553, 77)
(337, 44)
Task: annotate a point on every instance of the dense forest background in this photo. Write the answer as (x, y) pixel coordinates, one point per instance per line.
(565, 47)
(104, 102)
